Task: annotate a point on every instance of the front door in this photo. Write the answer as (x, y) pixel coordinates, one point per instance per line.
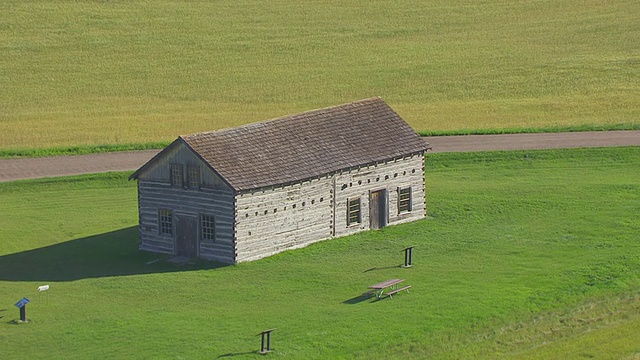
(378, 209)
(187, 236)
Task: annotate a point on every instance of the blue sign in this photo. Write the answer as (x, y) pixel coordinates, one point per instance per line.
(20, 304)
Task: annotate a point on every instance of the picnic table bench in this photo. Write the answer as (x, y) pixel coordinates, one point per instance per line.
(392, 285)
(393, 292)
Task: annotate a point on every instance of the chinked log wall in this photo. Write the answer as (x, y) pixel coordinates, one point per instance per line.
(390, 175)
(210, 201)
(272, 220)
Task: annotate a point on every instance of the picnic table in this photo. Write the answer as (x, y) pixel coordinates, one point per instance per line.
(391, 284)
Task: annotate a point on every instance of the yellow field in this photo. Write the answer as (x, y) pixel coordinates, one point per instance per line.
(86, 72)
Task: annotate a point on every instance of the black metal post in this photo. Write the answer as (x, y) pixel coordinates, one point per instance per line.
(269, 341)
(408, 257)
(266, 335)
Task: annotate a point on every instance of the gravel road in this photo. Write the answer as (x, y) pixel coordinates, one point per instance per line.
(28, 168)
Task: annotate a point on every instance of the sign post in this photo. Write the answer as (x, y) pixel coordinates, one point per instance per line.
(22, 304)
(266, 335)
(408, 257)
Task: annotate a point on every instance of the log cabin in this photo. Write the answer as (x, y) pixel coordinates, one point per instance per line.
(245, 193)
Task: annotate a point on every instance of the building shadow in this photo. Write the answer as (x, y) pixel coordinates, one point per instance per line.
(110, 254)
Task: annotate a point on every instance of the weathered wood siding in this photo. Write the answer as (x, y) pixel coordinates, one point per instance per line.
(216, 201)
(390, 175)
(269, 221)
(276, 219)
(213, 197)
(178, 153)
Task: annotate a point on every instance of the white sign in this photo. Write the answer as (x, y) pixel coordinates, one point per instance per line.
(43, 288)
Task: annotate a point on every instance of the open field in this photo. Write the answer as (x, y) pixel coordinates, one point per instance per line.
(121, 72)
(524, 254)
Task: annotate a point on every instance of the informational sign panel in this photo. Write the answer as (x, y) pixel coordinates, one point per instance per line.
(20, 304)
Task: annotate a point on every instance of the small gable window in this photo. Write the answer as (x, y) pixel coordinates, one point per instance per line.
(176, 174)
(353, 212)
(193, 176)
(208, 227)
(165, 221)
(404, 200)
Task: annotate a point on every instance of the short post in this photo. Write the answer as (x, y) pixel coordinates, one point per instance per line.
(266, 335)
(22, 306)
(408, 257)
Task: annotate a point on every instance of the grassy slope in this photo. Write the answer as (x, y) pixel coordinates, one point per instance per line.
(119, 72)
(514, 240)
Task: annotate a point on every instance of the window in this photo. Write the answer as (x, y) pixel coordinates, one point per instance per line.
(176, 174)
(353, 211)
(193, 176)
(404, 200)
(165, 221)
(207, 227)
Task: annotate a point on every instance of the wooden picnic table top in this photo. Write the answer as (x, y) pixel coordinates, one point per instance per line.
(386, 284)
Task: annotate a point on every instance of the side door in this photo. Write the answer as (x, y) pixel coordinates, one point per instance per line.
(378, 209)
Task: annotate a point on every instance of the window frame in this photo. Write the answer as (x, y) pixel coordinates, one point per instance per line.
(165, 222)
(194, 180)
(208, 232)
(405, 200)
(176, 172)
(351, 211)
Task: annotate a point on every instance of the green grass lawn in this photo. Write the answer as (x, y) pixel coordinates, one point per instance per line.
(523, 255)
(122, 72)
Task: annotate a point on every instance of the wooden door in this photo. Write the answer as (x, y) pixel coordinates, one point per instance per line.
(187, 236)
(378, 209)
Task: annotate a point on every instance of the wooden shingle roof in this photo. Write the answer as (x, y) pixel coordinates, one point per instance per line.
(306, 145)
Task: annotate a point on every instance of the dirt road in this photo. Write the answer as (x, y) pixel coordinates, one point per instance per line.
(17, 169)
(533, 141)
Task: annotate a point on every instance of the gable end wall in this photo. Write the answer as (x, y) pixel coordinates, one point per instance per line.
(193, 203)
(159, 171)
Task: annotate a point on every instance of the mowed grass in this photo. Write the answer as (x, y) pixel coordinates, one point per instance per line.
(530, 254)
(122, 72)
